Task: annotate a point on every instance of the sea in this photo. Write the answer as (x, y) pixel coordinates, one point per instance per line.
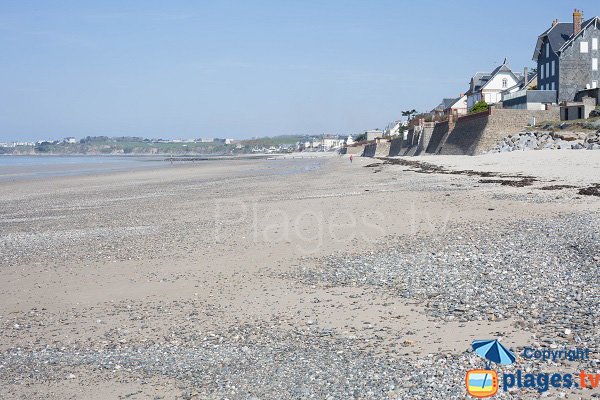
(14, 168)
(24, 167)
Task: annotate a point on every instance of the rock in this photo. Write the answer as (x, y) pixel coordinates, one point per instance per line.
(567, 136)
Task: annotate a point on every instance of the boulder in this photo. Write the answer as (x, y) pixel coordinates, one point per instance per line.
(567, 136)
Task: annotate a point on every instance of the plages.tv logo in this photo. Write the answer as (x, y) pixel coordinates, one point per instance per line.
(483, 383)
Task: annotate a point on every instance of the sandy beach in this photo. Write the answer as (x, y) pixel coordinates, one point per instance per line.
(295, 278)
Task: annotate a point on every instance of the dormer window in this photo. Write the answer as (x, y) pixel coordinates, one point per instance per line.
(504, 83)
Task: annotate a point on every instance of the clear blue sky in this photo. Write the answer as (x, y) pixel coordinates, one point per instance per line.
(248, 68)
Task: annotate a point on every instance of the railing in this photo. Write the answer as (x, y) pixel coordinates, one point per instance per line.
(514, 95)
(542, 95)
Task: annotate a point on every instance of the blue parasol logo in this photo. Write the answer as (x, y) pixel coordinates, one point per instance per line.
(493, 351)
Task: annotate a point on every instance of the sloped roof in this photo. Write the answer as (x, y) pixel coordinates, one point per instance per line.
(481, 79)
(454, 101)
(445, 104)
(584, 26)
(559, 36)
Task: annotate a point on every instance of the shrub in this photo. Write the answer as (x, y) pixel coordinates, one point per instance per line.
(480, 106)
(361, 137)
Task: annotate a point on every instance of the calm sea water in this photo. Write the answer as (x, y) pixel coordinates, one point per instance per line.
(23, 167)
(70, 160)
(13, 168)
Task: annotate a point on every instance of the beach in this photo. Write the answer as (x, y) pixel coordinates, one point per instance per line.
(296, 277)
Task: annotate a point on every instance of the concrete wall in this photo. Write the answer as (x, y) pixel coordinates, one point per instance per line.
(396, 146)
(479, 133)
(425, 138)
(378, 148)
(438, 136)
(383, 148)
(369, 150)
(356, 150)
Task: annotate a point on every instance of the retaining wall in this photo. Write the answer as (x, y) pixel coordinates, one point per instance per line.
(355, 150)
(383, 148)
(479, 133)
(438, 136)
(369, 150)
(396, 146)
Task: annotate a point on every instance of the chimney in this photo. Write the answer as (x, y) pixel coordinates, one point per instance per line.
(525, 75)
(577, 19)
(555, 22)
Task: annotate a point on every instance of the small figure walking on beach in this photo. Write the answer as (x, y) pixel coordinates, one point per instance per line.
(350, 158)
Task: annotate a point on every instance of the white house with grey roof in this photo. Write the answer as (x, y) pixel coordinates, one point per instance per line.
(488, 86)
(456, 106)
(567, 56)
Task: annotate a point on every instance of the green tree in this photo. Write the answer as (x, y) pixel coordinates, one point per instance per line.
(361, 137)
(480, 106)
(409, 114)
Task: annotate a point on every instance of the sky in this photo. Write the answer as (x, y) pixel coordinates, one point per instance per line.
(238, 69)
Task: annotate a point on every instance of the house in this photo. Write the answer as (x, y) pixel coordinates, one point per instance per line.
(332, 142)
(525, 96)
(70, 140)
(374, 134)
(488, 86)
(567, 57)
(349, 141)
(395, 128)
(440, 110)
(458, 106)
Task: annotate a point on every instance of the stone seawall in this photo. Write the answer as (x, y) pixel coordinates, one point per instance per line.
(479, 133)
(438, 136)
(354, 150)
(425, 138)
(370, 150)
(396, 147)
(469, 135)
(383, 148)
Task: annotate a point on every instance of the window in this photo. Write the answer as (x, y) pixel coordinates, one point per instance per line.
(542, 72)
(595, 44)
(594, 64)
(547, 70)
(553, 68)
(547, 50)
(553, 86)
(583, 47)
(504, 83)
(594, 84)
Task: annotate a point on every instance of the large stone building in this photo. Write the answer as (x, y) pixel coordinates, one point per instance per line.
(567, 56)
